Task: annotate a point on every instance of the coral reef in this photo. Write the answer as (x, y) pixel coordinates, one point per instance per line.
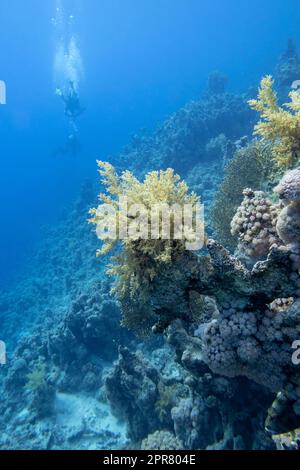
(224, 377)
(251, 167)
(208, 411)
(217, 82)
(288, 441)
(254, 319)
(60, 266)
(288, 70)
(165, 401)
(144, 253)
(41, 392)
(180, 142)
(204, 180)
(90, 322)
(50, 387)
(132, 389)
(161, 440)
(220, 149)
(68, 318)
(233, 343)
(36, 378)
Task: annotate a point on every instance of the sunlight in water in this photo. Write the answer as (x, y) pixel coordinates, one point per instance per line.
(68, 66)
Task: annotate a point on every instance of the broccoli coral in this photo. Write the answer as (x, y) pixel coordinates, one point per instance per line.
(279, 124)
(148, 220)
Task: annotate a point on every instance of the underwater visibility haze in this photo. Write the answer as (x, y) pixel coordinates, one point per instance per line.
(150, 225)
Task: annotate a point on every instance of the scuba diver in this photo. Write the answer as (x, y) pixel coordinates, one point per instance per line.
(73, 110)
(68, 73)
(71, 101)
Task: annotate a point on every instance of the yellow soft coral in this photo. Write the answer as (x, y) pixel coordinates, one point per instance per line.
(141, 257)
(279, 124)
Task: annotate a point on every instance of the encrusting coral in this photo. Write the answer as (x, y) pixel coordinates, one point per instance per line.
(279, 124)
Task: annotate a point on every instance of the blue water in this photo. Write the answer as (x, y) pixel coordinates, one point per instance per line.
(143, 59)
(132, 63)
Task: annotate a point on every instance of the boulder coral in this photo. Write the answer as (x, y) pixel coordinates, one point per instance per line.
(255, 224)
(288, 223)
(254, 343)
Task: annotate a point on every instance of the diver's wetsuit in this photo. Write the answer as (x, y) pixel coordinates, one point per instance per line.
(73, 108)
